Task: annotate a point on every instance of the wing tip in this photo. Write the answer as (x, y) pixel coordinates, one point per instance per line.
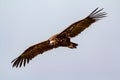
(97, 14)
(19, 62)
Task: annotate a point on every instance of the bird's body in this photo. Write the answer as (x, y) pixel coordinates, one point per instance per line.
(61, 42)
(62, 39)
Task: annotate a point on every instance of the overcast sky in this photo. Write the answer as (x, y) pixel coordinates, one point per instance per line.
(26, 22)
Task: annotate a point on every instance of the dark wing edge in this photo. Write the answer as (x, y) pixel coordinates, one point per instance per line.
(77, 27)
(31, 52)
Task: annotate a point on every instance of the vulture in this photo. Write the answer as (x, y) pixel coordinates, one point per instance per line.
(62, 39)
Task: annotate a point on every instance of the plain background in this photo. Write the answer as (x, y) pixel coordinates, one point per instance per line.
(27, 22)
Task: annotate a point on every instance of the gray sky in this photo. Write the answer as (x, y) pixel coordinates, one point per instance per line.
(27, 22)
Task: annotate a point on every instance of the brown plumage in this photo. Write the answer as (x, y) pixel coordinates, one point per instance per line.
(59, 40)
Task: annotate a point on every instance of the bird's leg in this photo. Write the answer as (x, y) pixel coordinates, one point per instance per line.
(72, 45)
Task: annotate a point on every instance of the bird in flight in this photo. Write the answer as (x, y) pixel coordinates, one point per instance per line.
(62, 39)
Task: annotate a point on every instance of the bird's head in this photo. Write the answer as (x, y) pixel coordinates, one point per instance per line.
(53, 40)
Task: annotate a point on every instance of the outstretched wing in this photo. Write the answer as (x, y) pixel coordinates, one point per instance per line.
(31, 52)
(77, 27)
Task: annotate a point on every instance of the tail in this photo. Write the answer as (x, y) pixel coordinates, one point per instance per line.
(72, 45)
